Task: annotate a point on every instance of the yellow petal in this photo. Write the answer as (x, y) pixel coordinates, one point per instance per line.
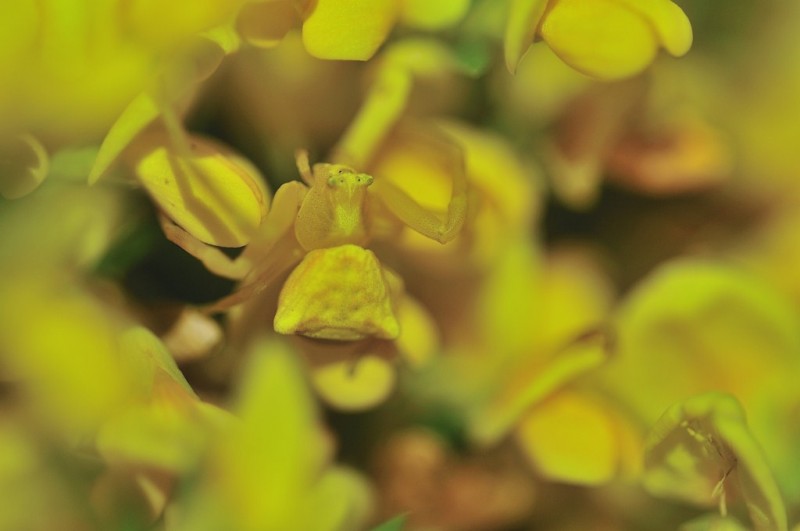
(419, 339)
(701, 448)
(193, 335)
(265, 24)
(340, 500)
(267, 463)
(428, 15)
(349, 30)
(382, 108)
(145, 355)
(670, 22)
(697, 318)
(338, 293)
(530, 385)
(355, 385)
(600, 38)
(523, 20)
(571, 439)
(136, 116)
(62, 346)
(214, 195)
(24, 164)
(160, 435)
(713, 522)
(171, 24)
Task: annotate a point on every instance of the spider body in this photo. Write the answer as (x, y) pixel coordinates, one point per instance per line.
(332, 211)
(339, 290)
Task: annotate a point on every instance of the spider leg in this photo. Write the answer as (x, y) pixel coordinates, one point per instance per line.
(272, 250)
(211, 257)
(428, 223)
(303, 166)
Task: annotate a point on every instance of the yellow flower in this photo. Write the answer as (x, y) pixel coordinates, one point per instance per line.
(103, 56)
(702, 451)
(712, 327)
(269, 469)
(526, 373)
(606, 39)
(343, 29)
(211, 192)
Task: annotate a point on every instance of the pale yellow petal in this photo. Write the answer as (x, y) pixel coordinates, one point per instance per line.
(419, 339)
(348, 30)
(142, 111)
(702, 447)
(713, 522)
(355, 385)
(600, 38)
(341, 500)
(437, 15)
(212, 194)
(264, 24)
(271, 459)
(170, 24)
(528, 386)
(571, 439)
(670, 22)
(143, 354)
(523, 20)
(24, 164)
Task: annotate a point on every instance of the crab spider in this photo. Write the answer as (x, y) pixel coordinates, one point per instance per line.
(333, 206)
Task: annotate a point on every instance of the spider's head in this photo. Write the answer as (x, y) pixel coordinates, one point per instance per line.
(340, 176)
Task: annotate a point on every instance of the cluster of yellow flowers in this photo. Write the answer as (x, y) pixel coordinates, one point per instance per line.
(339, 265)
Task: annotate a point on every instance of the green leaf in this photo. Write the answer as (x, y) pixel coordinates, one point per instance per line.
(473, 56)
(397, 523)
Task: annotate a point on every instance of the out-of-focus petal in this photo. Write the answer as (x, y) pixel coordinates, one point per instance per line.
(170, 24)
(699, 318)
(355, 385)
(193, 335)
(271, 459)
(530, 385)
(341, 500)
(670, 22)
(264, 24)
(348, 30)
(145, 356)
(713, 522)
(428, 15)
(419, 339)
(214, 194)
(24, 164)
(600, 38)
(399, 67)
(380, 111)
(702, 446)
(136, 116)
(570, 438)
(73, 390)
(523, 20)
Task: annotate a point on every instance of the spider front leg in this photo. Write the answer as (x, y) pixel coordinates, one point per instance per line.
(211, 257)
(266, 261)
(428, 223)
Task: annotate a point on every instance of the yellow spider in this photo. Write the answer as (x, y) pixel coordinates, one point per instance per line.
(339, 290)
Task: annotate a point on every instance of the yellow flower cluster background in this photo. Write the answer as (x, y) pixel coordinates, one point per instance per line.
(384, 265)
